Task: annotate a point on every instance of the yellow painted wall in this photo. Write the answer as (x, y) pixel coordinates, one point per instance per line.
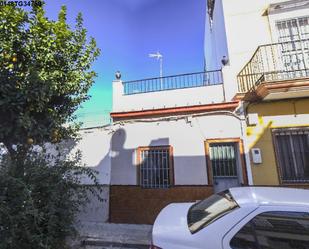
(275, 114)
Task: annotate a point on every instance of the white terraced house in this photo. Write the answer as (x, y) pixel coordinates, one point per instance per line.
(176, 138)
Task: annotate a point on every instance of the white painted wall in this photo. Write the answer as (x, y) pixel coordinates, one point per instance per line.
(186, 139)
(95, 211)
(247, 28)
(164, 99)
(95, 146)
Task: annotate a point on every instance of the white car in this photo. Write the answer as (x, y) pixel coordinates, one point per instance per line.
(238, 218)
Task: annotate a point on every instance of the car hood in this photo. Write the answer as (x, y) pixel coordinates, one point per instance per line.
(171, 226)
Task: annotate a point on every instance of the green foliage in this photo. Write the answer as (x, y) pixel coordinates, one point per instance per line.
(38, 207)
(45, 74)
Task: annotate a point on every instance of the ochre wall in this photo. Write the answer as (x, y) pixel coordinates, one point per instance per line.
(133, 204)
(275, 114)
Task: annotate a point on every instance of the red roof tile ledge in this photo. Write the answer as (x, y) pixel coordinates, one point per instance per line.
(225, 106)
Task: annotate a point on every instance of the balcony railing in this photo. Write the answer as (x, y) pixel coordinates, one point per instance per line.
(173, 82)
(275, 62)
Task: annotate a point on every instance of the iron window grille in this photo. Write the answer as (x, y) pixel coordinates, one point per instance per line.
(292, 152)
(223, 159)
(155, 167)
(293, 29)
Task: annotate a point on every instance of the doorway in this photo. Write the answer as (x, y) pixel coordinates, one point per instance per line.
(225, 163)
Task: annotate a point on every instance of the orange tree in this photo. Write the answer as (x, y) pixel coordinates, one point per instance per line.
(45, 74)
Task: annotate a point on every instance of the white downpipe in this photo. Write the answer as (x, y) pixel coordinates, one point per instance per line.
(245, 143)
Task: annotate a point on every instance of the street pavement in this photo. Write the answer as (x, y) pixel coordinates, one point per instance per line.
(112, 236)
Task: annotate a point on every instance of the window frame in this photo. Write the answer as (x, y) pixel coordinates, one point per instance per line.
(276, 154)
(171, 164)
(286, 20)
(240, 153)
(284, 16)
(301, 53)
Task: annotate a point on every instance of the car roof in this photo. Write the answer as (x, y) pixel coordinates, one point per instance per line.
(259, 196)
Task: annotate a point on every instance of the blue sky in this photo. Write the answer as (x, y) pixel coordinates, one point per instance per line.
(126, 31)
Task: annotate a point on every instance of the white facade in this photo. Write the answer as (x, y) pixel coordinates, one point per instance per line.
(187, 139)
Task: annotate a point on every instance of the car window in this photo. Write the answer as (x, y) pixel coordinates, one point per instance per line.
(206, 211)
(273, 230)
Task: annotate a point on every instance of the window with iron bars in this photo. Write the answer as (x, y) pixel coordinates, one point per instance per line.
(223, 159)
(292, 152)
(293, 36)
(155, 167)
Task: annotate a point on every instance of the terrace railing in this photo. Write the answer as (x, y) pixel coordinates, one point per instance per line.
(173, 82)
(275, 62)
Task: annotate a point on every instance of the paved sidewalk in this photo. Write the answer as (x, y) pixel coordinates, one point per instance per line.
(109, 235)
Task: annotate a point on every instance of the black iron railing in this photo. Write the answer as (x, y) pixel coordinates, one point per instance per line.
(275, 62)
(173, 82)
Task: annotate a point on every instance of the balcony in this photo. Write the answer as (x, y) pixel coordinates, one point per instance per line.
(170, 91)
(180, 81)
(276, 71)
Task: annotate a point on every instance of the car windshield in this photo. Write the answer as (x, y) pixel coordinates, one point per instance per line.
(207, 211)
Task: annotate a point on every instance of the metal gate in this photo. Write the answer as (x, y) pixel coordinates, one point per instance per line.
(224, 163)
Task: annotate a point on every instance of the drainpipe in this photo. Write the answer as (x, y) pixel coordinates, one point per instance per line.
(243, 125)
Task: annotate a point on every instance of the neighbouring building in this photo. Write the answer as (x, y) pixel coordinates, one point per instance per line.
(268, 71)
